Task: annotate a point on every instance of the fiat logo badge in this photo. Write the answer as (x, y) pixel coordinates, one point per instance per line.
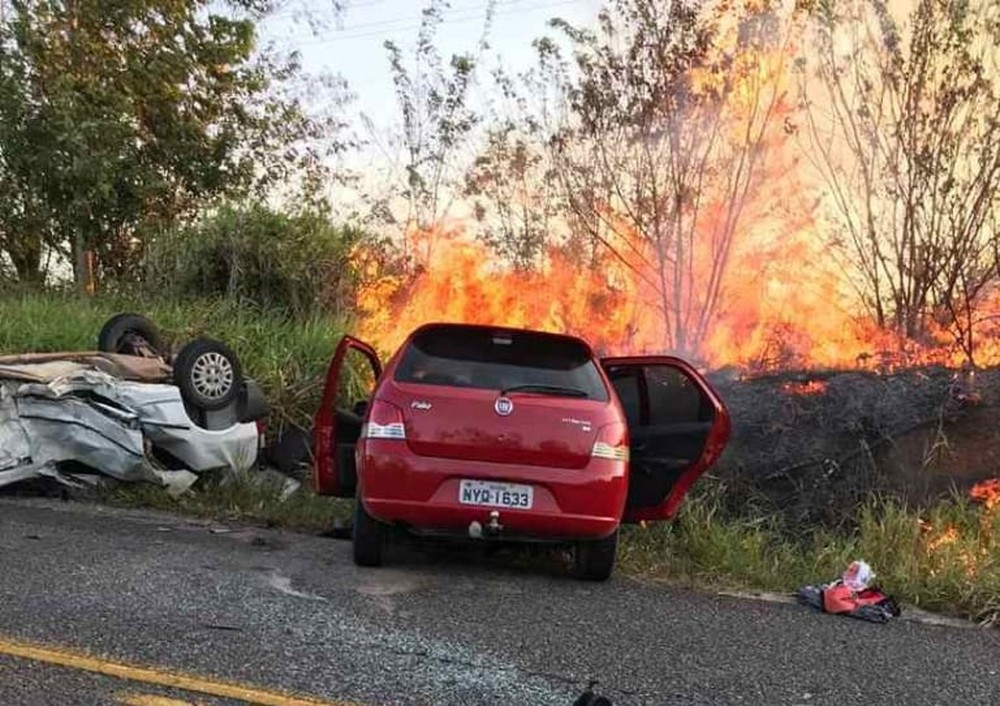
(503, 406)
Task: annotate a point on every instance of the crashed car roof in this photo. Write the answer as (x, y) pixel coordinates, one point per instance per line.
(99, 411)
(46, 367)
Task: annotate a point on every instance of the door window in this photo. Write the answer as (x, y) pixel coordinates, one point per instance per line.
(626, 384)
(673, 396)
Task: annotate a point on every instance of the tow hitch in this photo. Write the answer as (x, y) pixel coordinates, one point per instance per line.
(492, 529)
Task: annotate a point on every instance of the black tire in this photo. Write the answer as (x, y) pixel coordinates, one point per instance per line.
(253, 404)
(130, 334)
(209, 374)
(595, 559)
(291, 453)
(368, 537)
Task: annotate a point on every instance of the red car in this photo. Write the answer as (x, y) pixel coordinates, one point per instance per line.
(490, 432)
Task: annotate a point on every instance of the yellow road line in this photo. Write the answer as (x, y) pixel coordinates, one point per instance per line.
(153, 700)
(169, 678)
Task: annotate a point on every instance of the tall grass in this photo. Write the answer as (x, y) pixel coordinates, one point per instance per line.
(288, 357)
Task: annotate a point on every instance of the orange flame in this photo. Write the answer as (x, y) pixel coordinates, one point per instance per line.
(784, 301)
(463, 284)
(948, 536)
(812, 387)
(789, 314)
(971, 551)
(988, 492)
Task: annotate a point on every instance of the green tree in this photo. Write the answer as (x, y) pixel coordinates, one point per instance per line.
(437, 122)
(510, 184)
(296, 261)
(120, 120)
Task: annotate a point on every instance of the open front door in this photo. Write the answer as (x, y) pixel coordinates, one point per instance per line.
(350, 381)
(678, 427)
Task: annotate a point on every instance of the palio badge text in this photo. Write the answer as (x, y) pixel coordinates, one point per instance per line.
(584, 424)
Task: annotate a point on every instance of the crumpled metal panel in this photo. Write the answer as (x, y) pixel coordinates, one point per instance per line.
(167, 425)
(15, 448)
(104, 423)
(71, 429)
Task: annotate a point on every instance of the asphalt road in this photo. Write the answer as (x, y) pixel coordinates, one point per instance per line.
(287, 612)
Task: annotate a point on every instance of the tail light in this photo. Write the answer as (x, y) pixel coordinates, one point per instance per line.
(385, 421)
(611, 443)
(261, 425)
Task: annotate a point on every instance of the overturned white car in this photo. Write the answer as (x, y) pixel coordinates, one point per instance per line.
(129, 410)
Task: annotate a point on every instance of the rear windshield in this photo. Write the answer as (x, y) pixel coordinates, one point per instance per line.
(478, 358)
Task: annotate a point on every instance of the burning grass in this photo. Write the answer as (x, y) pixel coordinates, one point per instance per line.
(777, 312)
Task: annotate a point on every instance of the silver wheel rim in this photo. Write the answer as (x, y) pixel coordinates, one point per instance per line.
(212, 375)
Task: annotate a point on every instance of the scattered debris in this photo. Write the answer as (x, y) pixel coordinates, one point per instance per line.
(340, 530)
(227, 628)
(263, 476)
(852, 595)
(589, 698)
(284, 585)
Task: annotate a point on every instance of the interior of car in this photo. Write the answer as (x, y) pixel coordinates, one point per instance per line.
(669, 420)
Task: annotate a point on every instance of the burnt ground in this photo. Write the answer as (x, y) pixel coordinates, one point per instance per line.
(814, 444)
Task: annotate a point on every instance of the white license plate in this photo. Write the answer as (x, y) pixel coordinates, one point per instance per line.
(488, 493)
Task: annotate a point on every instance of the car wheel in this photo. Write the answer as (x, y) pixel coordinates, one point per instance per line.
(208, 374)
(130, 334)
(368, 537)
(595, 559)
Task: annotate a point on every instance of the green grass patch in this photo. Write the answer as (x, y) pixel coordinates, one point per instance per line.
(945, 559)
(249, 497)
(289, 357)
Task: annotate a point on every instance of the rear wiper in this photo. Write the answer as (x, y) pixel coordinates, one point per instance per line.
(552, 389)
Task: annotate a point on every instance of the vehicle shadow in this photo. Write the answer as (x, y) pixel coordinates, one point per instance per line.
(552, 561)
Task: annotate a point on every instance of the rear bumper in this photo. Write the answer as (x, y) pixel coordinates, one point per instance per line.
(399, 487)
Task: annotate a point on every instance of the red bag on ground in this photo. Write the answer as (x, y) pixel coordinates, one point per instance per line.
(839, 598)
(852, 595)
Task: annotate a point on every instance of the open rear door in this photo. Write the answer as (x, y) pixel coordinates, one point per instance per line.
(350, 381)
(678, 427)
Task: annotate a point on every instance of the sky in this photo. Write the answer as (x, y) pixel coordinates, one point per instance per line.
(353, 45)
